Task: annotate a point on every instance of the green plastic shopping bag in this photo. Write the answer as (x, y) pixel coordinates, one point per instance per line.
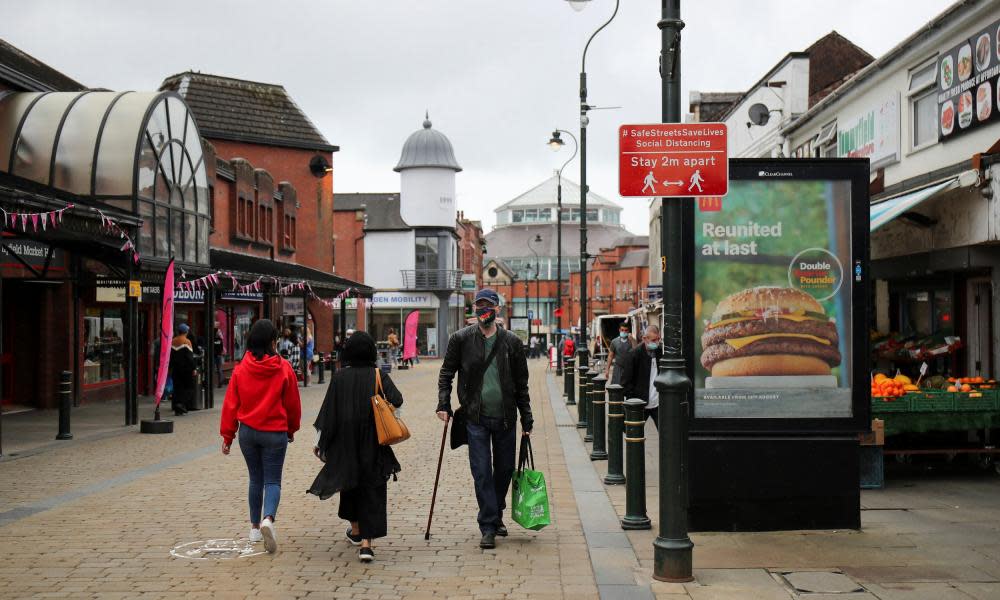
(530, 500)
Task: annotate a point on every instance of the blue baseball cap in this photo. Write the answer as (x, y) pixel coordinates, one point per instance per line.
(488, 295)
(183, 327)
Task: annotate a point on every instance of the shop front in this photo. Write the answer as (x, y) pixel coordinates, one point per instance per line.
(390, 310)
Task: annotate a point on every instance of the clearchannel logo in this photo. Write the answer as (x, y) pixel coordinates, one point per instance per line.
(773, 174)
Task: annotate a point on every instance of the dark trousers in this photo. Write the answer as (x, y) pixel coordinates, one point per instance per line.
(264, 452)
(491, 457)
(367, 507)
(654, 414)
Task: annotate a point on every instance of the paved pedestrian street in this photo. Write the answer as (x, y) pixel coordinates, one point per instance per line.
(98, 519)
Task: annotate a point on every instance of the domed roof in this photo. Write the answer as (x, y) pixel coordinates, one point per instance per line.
(427, 148)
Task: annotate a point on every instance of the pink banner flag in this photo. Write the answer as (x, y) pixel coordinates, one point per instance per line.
(410, 335)
(166, 331)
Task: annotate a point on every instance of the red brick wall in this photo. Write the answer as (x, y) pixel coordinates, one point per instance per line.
(348, 233)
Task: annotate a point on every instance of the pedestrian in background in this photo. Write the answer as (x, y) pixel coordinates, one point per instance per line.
(621, 350)
(262, 403)
(218, 349)
(308, 350)
(183, 371)
(492, 388)
(393, 341)
(356, 465)
(640, 371)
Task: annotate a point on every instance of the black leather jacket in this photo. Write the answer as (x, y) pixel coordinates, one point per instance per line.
(465, 356)
(635, 378)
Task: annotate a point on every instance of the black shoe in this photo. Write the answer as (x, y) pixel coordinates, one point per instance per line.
(366, 555)
(488, 542)
(354, 539)
(502, 530)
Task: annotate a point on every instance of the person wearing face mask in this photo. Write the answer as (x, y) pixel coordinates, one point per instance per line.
(621, 350)
(492, 389)
(640, 371)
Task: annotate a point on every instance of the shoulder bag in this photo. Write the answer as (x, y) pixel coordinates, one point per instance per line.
(391, 430)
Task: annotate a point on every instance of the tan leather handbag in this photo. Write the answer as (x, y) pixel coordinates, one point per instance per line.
(390, 428)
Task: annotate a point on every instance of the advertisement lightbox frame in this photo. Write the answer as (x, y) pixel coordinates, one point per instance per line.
(856, 171)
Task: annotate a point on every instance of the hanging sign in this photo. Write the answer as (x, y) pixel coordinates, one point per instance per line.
(673, 160)
(968, 83)
(135, 289)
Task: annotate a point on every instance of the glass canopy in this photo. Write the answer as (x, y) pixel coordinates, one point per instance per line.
(137, 151)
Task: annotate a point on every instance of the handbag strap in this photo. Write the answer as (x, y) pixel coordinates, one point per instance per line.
(526, 455)
(491, 355)
(378, 384)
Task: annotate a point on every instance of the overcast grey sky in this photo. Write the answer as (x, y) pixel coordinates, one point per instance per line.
(496, 76)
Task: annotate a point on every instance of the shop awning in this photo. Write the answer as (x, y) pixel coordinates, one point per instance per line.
(887, 210)
(245, 266)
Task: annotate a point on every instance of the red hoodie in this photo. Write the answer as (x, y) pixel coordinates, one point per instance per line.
(263, 394)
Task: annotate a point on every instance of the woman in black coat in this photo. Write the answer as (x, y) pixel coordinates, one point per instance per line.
(356, 465)
(183, 371)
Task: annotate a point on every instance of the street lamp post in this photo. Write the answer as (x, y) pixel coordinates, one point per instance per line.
(538, 268)
(672, 548)
(527, 303)
(584, 120)
(555, 143)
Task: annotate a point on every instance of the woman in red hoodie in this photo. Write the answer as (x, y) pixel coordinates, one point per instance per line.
(263, 401)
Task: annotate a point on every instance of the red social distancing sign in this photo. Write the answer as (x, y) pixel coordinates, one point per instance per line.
(670, 159)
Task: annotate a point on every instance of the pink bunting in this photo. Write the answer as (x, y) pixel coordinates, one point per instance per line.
(34, 221)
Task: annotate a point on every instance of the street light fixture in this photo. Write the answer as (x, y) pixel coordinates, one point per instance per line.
(584, 121)
(556, 143)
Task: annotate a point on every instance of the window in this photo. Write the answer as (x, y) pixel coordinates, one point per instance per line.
(103, 335)
(612, 217)
(517, 216)
(287, 222)
(597, 288)
(427, 253)
(288, 229)
(265, 221)
(545, 214)
(530, 215)
(805, 149)
(826, 143)
(244, 217)
(618, 290)
(923, 105)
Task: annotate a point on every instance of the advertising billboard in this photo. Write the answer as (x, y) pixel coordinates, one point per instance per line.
(969, 83)
(780, 307)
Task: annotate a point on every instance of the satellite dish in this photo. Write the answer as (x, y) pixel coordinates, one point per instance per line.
(760, 114)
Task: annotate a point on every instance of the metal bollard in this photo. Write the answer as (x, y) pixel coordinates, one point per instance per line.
(322, 368)
(581, 394)
(616, 424)
(597, 406)
(65, 404)
(635, 451)
(591, 376)
(569, 382)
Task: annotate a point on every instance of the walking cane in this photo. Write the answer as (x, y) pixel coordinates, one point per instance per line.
(444, 435)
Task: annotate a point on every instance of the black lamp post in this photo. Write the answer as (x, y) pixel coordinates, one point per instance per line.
(584, 121)
(538, 268)
(556, 143)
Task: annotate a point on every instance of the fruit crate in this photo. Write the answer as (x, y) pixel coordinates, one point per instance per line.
(889, 405)
(976, 400)
(932, 401)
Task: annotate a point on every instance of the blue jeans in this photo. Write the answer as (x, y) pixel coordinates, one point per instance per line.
(264, 452)
(491, 475)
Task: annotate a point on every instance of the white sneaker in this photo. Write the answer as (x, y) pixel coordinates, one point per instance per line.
(267, 531)
(255, 536)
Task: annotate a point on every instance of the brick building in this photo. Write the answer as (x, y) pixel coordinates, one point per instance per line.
(615, 277)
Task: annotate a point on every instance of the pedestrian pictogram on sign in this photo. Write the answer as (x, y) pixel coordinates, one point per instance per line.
(664, 159)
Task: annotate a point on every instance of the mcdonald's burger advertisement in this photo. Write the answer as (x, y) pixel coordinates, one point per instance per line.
(775, 275)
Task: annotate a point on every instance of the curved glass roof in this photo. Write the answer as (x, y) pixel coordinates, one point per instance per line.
(132, 150)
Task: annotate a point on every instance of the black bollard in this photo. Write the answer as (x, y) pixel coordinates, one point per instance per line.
(616, 423)
(598, 404)
(589, 413)
(635, 458)
(581, 393)
(65, 404)
(569, 383)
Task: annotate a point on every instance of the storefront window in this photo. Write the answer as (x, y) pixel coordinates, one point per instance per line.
(103, 335)
(242, 319)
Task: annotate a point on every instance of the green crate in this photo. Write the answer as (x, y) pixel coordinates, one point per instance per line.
(976, 401)
(894, 405)
(932, 401)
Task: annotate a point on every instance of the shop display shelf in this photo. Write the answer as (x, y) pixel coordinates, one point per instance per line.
(932, 401)
(891, 405)
(981, 400)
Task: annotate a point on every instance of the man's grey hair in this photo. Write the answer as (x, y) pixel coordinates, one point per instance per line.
(651, 329)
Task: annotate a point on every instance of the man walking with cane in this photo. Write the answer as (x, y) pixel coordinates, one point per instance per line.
(492, 389)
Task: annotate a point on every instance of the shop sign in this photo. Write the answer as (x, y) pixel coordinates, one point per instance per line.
(519, 325)
(352, 303)
(969, 83)
(774, 290)
(456, 301)
(675, 160)
(115, 291)
(403, 300)
(135, 289)
(292, 307)
(873, 134)
(32, 252)
(468, 282)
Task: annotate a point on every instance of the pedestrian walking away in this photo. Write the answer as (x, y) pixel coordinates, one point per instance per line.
(640, 371)
(492, 389)
(621, 350)
(218, 348)
(262, 404)
(355, 464)
(183, 372)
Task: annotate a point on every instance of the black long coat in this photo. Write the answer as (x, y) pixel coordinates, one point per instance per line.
(348, 441)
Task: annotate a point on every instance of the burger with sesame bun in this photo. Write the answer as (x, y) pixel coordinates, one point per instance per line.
(769, 331)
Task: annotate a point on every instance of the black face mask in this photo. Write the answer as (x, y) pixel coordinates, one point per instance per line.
(486, 315)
